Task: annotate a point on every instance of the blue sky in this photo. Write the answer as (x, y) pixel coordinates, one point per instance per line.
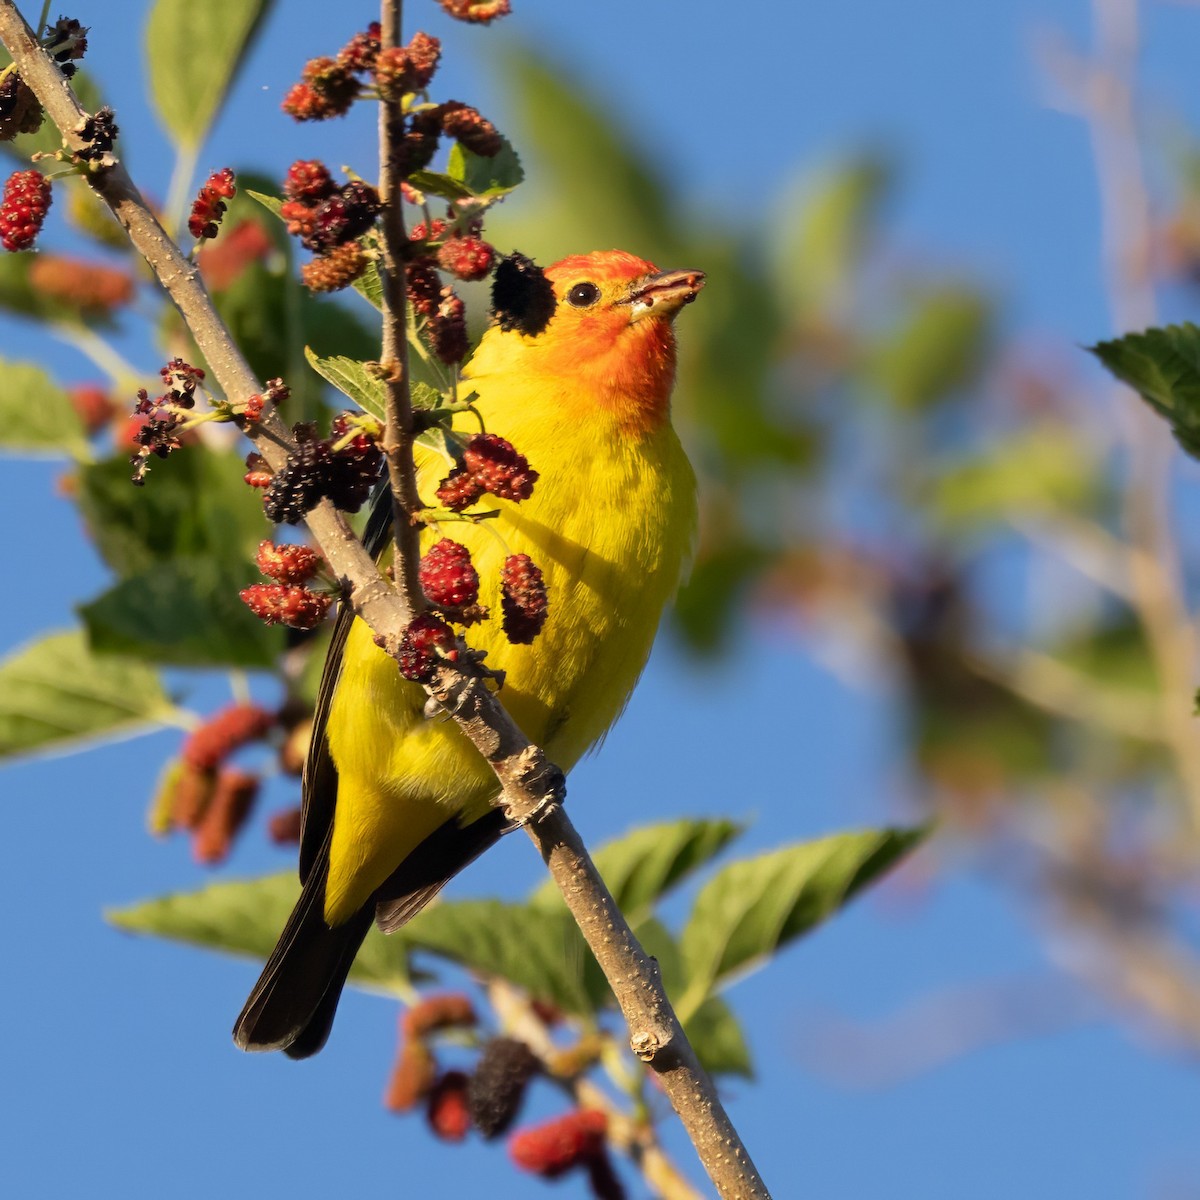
(118, 1065)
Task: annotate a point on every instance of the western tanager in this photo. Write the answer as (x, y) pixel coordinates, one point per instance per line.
(395, 803)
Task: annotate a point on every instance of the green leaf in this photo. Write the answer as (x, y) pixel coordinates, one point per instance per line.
(36, 415)
(245, 917)
(192, 58)
(436, 184)
(1041, 470)
(542, 952)
(369, 285)
(936, 351)
(273, 204)
(193, 505)
(755, 906)
(184, 612)
(1163, 366)
(352, 379)
(55, 693)
(646, 863)
(495, 176)
(824, 228)
(712, 1028)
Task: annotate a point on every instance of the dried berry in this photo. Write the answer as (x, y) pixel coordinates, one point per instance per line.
(523, 599)
(446, 1010)
(522, 296)
(426, 639)
(213, 742)
(66, 41)
(447, 1107)
(555, 1147)
(470, 128)
(334, 270)
(467, 258)
(23, 209)
(480, 11)
(288, 563)
(448, 328)
(286, 604)
(209, 206)
(498, 1086)
(447, 577)
(99, 131)
(499, 468)
(309, 181)
(232, 801)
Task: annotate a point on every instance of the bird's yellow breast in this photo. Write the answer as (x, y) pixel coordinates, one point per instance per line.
(610, 524)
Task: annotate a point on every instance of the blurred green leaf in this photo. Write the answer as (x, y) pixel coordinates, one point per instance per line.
(193, 505)
(185, 612)
(245, 917)
(647, 862)
(1043, 469)
(1163, 366)
(435, 183)
(481, 176)
(823, 230)
(55, 693)
(191, 62)
(540, 951)
(753, 907)
(704, 609)
(352, 379)
(36, 415)
(936, 350)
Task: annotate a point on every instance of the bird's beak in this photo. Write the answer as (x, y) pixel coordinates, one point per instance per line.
(662, 295)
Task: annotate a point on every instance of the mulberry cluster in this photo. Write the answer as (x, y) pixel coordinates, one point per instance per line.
(315, 471)
(558, 1146)
(20, 111)
(498, 1084)
(23, 209)
(159, 434)
(478, 11)
(285, 604)
(466, 258)
(291, 563)
(426, 641)
(491, 464)
(422, 131)
(401, 70)
(202, 793)
(93, 289)
(328, 220)
(209, 206)
(274, 392)
(326, 89)
(258, 473)
(451, 583)
(523, 599)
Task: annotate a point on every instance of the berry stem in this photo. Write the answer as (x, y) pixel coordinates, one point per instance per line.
(398, 431)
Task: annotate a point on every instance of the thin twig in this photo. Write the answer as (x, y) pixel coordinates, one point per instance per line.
(531, 788)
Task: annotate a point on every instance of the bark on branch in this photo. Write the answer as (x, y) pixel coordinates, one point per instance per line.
(532, 788)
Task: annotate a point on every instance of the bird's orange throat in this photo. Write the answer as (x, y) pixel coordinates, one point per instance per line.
(626, 370)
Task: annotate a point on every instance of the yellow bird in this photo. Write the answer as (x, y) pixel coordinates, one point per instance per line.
(396, 803)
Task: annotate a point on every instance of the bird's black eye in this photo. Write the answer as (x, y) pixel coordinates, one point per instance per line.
(583, 295)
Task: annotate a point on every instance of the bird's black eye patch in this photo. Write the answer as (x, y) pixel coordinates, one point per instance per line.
(583, 295)
(522, 297)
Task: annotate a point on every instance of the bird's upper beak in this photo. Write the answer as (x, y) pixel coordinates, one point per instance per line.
(662, 295)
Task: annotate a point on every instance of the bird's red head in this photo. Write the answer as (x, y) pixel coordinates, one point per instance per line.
(610, 337)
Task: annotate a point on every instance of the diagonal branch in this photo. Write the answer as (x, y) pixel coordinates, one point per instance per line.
(532, 789)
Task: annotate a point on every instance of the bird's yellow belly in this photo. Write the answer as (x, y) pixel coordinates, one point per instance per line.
(610, 560)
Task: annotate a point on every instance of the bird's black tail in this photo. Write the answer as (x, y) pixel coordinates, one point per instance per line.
(291, 1007)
